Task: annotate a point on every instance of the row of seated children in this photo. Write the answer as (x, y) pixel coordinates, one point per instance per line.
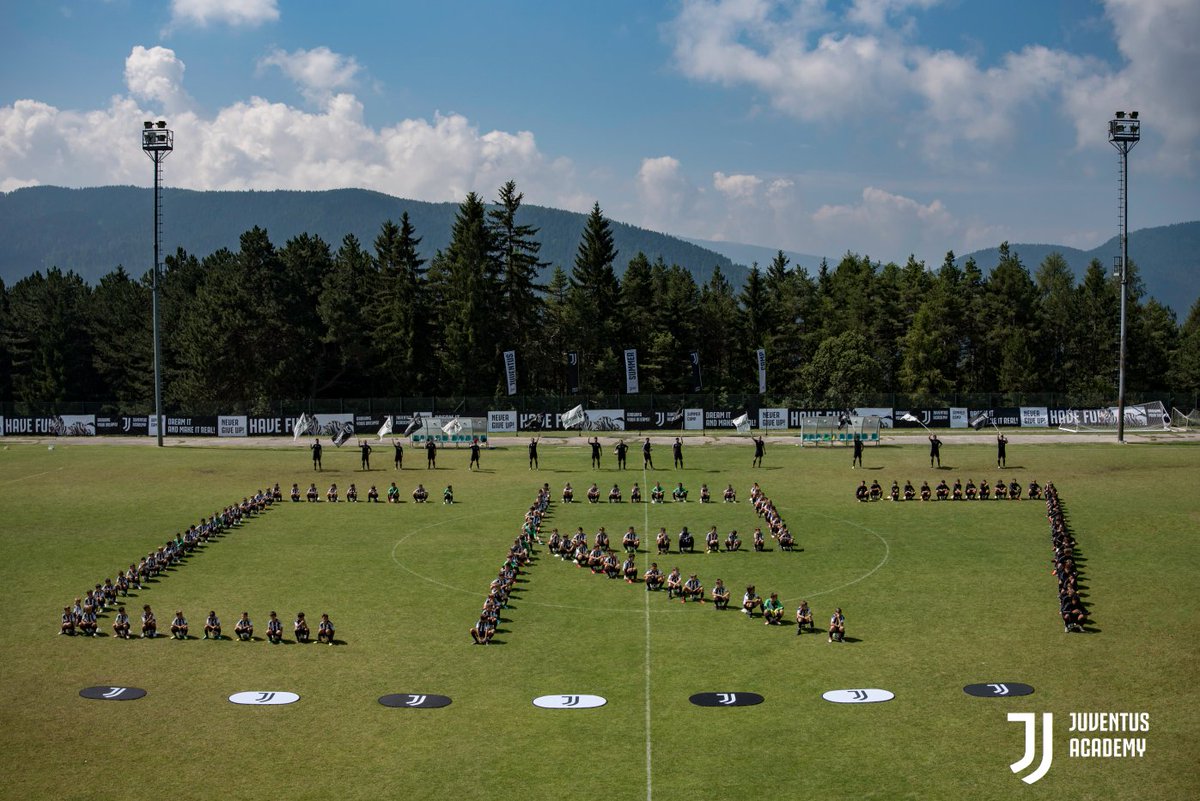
(764, 507)
(95, 602)
(657, 494)
(519, 555)
(122, 626)
(1071, 608)
(1011, 491)
(333, 495)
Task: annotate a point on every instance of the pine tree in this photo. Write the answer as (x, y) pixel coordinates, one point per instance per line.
(471, 356)
(594, 305)
(344, 308)
(519, 300)
(401, 340)
(119, 325)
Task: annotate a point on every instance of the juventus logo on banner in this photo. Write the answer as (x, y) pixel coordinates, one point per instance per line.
(510, 370)
(762, 370)
(631, 378)
(572, 372)
(697, 384)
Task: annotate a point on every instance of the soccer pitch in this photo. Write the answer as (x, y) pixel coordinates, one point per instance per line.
(937, 596)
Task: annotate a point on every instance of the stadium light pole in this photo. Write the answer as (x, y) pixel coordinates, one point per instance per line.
(157, 142)
(1123, 133)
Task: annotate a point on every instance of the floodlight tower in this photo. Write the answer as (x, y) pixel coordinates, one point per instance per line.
(1123, 133)
(157, 142)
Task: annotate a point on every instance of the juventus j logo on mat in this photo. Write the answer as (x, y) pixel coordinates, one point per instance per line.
(569, 701)
(263, 698)
(1030, 721)
(110, 693)
(415, 700)
(726, 699)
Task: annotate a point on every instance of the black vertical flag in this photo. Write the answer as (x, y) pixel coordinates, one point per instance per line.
(697, 383)
(572, 372)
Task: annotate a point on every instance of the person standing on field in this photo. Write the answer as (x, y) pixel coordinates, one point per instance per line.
(935, 450)
(858, 450)
(677, 453)
(1001, 444)
(398, 459)
(647, 461)
(365, 448)
(316, 454)
(760, 447)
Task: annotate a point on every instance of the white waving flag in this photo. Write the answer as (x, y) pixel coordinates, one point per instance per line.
(386, 428)
(742, 424)
(573, 417)
(300, 426)
(452, 428)
(909, 417)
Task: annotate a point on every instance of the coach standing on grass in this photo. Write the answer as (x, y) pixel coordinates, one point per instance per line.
(365, 448)
(760, 447)
(858, 448)
(1001, 445)
(647, 462)
(316, 454)
(935, 450)
(430, 454)
(399, 457)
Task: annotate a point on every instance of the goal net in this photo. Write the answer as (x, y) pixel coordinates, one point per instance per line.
(1138, 417)
(1185, 422)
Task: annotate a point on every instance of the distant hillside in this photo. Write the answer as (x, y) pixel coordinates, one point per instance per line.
(746, 255)
(93, 230)
(1168, 258)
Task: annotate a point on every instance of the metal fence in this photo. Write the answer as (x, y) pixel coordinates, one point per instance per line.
(647, 402)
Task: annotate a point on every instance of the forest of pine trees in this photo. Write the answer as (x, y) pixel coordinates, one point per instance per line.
(243, 330)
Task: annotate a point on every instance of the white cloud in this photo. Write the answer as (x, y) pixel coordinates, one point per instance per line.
(736, 187)
(258, 144)
(885, 225)
(810, 65)
(237, 13)
(156, 75)
(318, 72)
(1157, 38)
(665, 195)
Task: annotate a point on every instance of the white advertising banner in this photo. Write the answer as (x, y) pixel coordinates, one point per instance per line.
(631, 374)
(502, 422)
(693, 419)
(958, 417)
(774, 419)
(1035, 417)
(232, 426)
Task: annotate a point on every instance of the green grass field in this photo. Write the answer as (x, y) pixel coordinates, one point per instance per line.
(936, 595)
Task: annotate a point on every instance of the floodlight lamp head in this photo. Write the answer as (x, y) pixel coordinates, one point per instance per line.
(1120, 115)
(147, 124)
(1133, 115)
(162, 123)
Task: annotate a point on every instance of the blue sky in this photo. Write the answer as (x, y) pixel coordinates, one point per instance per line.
(885, 127)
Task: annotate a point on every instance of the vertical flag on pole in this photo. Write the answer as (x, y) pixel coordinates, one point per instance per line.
(697, 384)
(762, 370)
(510, 370)
(572, 372)
(631, 378)
(742, 423)
(386, 428)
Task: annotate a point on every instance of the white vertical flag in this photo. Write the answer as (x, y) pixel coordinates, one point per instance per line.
(742, 424)
(762, 370)
(386, 428)
(453, 427)
(510, 370)
(299, 426)
(631, 378)
(573, 417)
